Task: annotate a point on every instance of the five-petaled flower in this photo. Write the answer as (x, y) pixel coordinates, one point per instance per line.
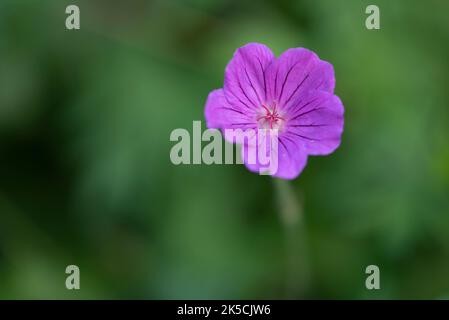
(293, 94)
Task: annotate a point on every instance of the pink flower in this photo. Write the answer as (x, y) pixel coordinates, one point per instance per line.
(293, 94)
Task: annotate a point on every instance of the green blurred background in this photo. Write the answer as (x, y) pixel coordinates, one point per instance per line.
(86, 178)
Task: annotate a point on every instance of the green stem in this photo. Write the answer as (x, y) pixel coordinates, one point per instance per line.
(292, 218)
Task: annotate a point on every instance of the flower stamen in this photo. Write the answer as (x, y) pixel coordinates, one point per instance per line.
(271, 117)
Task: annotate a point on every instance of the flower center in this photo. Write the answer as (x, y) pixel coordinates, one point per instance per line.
(270, 119)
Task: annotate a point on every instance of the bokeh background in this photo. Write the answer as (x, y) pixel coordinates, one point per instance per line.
(86, 178)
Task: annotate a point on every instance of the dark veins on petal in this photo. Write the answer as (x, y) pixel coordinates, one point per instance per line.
(289, 139)
(295, 114)
(263, 73)
(296, 89)
(251, 83)
(301, 136)
(247, 106)
(304, 113)
(252, 124)
(232, 109)
(286, 77)
(243, 91)
(308, 125)
(285, 147)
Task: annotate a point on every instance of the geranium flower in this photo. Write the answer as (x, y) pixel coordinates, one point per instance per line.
(293, 94)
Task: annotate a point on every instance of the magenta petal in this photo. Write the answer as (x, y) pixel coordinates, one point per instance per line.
(291, 159)
(220, 114)
(295, 73)
(245, 82)
(316, 122)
